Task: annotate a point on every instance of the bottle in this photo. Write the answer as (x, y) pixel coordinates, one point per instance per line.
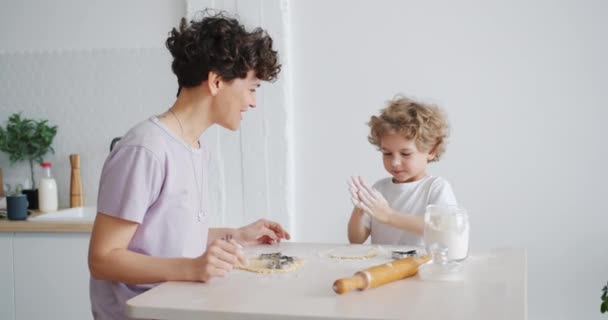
(448, 226)
(47, 190)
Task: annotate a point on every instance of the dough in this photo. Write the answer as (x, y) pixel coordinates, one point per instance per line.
(353, 253)
(260, 265)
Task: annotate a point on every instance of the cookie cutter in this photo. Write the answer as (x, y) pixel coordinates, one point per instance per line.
(277, 261)
(396, 254)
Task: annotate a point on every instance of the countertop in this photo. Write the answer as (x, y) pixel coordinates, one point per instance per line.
(64, 220)
(493, 287)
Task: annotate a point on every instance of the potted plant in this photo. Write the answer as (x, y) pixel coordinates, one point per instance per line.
(604, 305)
(27, 140)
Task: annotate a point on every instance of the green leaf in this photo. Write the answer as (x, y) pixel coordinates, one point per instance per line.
(26, 139)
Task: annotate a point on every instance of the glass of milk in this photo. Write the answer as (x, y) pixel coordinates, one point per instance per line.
(448, 227)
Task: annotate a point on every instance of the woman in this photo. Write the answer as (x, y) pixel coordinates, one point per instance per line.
(152, 221)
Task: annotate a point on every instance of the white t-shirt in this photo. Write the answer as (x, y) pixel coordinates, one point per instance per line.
(408, 198)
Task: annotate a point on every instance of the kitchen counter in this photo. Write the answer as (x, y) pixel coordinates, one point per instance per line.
(65, 220)
(493, 287)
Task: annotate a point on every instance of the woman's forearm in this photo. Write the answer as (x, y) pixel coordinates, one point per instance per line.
(218, 233)
(122, 265)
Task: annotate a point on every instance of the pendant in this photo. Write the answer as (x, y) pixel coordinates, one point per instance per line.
(200, 216)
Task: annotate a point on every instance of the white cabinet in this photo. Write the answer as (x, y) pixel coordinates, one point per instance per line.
(51, 277)
(7, 293)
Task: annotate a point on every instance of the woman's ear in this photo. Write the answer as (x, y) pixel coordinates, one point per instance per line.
(214, 81)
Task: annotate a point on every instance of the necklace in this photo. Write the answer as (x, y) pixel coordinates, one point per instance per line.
(200, 214)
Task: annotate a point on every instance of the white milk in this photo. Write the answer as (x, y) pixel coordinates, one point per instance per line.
(450, 230)
(47, 190)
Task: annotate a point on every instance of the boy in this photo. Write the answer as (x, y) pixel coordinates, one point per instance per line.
(409, 134)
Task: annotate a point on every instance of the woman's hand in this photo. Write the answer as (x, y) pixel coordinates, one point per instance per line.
(262, 231)
(219, 259)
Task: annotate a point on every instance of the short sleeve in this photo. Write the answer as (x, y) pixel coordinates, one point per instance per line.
(130, 183)
(441, 193)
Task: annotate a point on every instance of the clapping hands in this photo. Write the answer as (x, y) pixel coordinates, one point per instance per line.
(370, 200)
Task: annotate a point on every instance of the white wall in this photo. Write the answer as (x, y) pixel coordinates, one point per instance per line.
(523, 84)
(96, 69)
(525, 90)
(252, 169)
(34, 25)
(93, 69)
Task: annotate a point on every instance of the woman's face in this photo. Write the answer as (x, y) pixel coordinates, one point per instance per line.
(233, 98)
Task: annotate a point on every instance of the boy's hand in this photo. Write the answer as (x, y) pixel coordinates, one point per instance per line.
(369, 200)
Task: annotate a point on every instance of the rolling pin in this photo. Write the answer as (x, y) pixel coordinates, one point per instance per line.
(380, 274)
(76, 198)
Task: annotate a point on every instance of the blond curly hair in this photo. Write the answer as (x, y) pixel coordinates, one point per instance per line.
(425, 123)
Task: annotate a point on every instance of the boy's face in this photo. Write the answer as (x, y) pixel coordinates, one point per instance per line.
(402, 159)
(234, 98)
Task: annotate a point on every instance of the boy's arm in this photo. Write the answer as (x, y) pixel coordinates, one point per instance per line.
(374, 204)
(357, 229)
(400, 220)
(407, 222)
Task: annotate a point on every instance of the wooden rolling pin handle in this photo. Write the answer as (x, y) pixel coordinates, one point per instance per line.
(344, 285)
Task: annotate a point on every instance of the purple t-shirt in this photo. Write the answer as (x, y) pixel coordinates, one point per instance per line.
(154, 178)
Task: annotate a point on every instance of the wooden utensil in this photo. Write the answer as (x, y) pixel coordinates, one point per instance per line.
(381, 274)
(76, 198)
(1, 184)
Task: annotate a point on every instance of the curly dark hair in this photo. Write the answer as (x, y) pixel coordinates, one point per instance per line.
(220, 44)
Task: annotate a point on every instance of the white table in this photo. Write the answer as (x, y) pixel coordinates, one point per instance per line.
(494, 287)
